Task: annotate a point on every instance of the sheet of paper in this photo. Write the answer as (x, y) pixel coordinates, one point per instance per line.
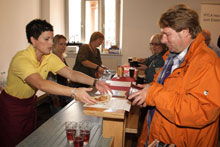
(118, 103)
(114, 103)
(119, 93)
(119, 83)
(116, 93)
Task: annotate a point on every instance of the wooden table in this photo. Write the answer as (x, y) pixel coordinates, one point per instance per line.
(112, 125)
(115, 122)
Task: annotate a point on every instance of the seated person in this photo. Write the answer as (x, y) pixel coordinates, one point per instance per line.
(151, 64)
(88, 59)
(59, 48)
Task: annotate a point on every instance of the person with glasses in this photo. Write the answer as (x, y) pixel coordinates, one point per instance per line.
(88, 59)
(151, 64)
(185, 93)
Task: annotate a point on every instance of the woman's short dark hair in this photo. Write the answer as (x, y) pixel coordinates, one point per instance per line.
(181, 17)
(36, 27)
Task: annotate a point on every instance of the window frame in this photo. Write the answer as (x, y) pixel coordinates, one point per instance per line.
(101, 19)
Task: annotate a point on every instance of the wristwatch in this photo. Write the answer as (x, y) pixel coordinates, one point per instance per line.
(97, 68)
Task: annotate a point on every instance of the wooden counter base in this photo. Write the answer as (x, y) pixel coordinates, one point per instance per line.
(114, 128)
(113, 124)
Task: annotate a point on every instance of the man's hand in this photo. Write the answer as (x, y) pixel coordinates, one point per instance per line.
(139, 97)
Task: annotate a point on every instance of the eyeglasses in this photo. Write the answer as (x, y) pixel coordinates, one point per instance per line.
(155, 44)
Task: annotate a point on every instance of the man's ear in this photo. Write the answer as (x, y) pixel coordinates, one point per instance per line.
(185, 33)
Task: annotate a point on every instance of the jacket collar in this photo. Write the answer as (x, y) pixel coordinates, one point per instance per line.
(193, 48)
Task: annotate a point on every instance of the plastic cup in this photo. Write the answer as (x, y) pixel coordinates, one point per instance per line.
(129, 59)
(140, 79)
(120, 71)
(85, 129)
(131, 72)
(86, 135)
(70, 128)
(78, 141)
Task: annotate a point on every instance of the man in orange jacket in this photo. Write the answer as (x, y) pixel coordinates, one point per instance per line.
(186, 90)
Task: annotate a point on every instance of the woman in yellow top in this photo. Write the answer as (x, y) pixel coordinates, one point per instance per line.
(27, 73)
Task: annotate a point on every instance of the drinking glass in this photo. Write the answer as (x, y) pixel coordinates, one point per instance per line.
(129, 59)
(78, 141)
(120, 71)
(70, 128)
(85, 129)
(131, 72)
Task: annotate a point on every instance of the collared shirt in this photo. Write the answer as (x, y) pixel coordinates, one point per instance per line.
(25, 63)
(179, 59)
(172, 62)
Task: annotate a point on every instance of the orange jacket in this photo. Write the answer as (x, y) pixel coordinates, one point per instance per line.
(188, 104)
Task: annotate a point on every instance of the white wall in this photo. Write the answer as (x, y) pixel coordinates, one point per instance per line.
(54, 12)
(14, 16)
(45, 9)
(57, 16)
(209, 13)
(140, 21)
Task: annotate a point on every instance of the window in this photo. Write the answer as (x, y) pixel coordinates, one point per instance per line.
(91, 18)
(110, 27)
(74, 28)
(87, 16)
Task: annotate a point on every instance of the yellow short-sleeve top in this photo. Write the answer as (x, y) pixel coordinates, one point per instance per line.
(25, 63)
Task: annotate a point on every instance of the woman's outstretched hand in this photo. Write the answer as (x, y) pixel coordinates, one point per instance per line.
(83, 96)
(103, 87)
